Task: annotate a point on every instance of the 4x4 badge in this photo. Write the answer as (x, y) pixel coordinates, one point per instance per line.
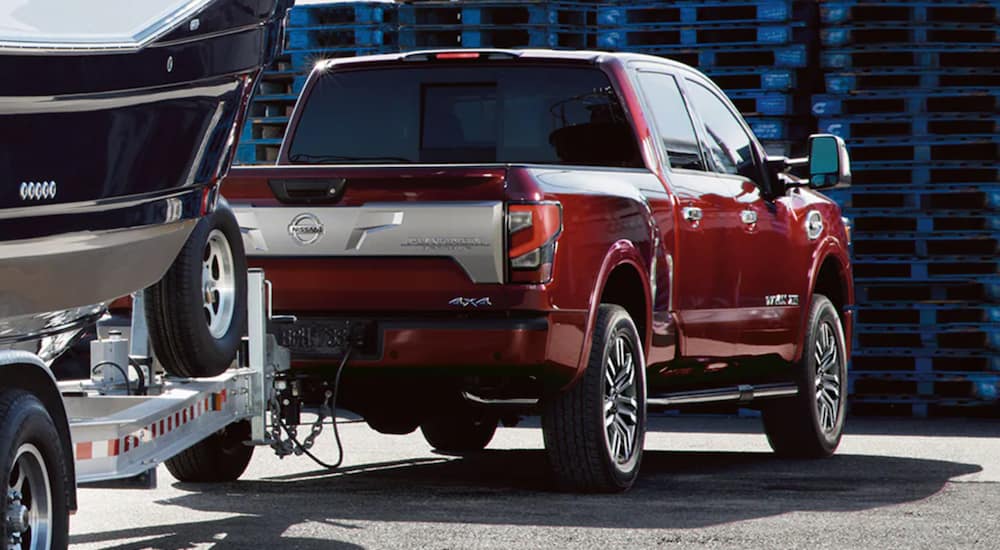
(470, 302)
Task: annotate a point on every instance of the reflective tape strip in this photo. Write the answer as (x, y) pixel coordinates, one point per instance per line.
(90, 450)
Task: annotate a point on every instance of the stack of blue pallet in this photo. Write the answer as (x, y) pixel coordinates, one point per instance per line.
(914, 88)
(315, 31)
(759, 51)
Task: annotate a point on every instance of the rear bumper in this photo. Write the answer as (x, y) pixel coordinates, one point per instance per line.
(546, 345)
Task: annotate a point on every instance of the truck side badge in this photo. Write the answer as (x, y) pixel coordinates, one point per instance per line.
(781, 300)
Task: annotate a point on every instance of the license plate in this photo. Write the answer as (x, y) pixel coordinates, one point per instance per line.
(321, 338)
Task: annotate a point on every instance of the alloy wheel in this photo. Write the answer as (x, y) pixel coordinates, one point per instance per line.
(218, 276)
(621, 405)
(828, 382)
(28, 516)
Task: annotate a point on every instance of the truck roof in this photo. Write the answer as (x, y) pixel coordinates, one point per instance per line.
(579, 56)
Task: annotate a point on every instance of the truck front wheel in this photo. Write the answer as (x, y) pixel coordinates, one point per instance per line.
(809, 425)
(594, 431)
(34, 502)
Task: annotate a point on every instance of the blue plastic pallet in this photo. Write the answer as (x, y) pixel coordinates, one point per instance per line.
(710, 57)
(765, 103)
(921, 124)
(920, 197)
(922, 35)
(705, 35)
(973, 100)
(778, 128)
(304, 60)
(334, 38)
(910, 11)
(924, 173)
(929, 317)
(919, 295)
(926, 353)
(928, 148)
(754, 79)
(908, 267)
(933, 56)
(688, 12)
(511, 13)
(452, 36)
(342, 13)
(916, 219)
(911, 78)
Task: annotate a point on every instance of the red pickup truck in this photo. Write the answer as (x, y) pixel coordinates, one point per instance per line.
(584, 235)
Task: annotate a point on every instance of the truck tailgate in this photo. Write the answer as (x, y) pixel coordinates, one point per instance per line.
(310, 215)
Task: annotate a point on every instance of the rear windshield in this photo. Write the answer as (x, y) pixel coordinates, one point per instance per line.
(504, 114)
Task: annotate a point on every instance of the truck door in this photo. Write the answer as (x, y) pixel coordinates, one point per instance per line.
(705, 278)
(756, 231)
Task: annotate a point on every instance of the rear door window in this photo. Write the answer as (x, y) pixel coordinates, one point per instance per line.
(673, 122)
(473, 114)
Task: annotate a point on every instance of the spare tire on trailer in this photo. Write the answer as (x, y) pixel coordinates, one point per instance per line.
(197, 312)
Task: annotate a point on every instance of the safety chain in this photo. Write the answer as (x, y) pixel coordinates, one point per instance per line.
(285, 447)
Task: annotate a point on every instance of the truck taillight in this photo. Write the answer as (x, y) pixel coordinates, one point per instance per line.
(532, 231)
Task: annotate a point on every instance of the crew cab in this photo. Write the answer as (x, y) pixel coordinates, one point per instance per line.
(586, 235)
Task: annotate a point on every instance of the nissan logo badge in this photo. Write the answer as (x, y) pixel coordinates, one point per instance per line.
(305, 229)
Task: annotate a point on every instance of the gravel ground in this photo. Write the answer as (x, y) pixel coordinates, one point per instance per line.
(706, 482)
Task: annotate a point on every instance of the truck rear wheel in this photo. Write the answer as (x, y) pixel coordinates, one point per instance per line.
(810, 424)
(465, 431)
(197, 313)
(220, 457)
(594, 431)
(34, 502)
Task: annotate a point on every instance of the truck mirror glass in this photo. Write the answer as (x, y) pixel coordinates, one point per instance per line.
(829, 163)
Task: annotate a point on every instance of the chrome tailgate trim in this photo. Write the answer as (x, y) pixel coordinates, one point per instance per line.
(471, 233)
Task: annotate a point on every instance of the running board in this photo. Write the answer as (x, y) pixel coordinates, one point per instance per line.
(741, 394)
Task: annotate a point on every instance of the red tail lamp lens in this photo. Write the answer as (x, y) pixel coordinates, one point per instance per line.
(533, 229)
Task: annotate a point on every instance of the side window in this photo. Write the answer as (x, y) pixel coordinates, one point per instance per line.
(728, 142)
(673, 122)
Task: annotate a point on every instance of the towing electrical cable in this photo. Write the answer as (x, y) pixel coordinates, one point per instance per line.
(333, 419)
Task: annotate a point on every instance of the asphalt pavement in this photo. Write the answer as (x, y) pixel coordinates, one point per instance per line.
(706, 482)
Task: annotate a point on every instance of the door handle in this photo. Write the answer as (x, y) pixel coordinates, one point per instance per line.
(748, 217)
(691, 213)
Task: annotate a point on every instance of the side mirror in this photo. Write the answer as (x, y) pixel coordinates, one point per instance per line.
(829, 163)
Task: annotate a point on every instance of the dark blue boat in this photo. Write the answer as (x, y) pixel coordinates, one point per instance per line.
(115, 129)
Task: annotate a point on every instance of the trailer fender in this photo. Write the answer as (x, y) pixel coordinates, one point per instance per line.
(26, 371)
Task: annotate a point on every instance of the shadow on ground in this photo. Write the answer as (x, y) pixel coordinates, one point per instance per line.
(511, 487)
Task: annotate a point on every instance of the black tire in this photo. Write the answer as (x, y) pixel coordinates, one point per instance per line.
(573, 422)
(468, 430)
(180, 326)
(220, 457)
(796, 426)
(392, 424)
(29, 443)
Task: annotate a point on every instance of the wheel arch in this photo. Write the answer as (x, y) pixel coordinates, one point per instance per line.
(25, 371)
(831, 276)
(623, 279)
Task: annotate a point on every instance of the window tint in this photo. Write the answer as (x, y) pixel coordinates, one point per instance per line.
(673, 123)
(469, 114)
(728, 142)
